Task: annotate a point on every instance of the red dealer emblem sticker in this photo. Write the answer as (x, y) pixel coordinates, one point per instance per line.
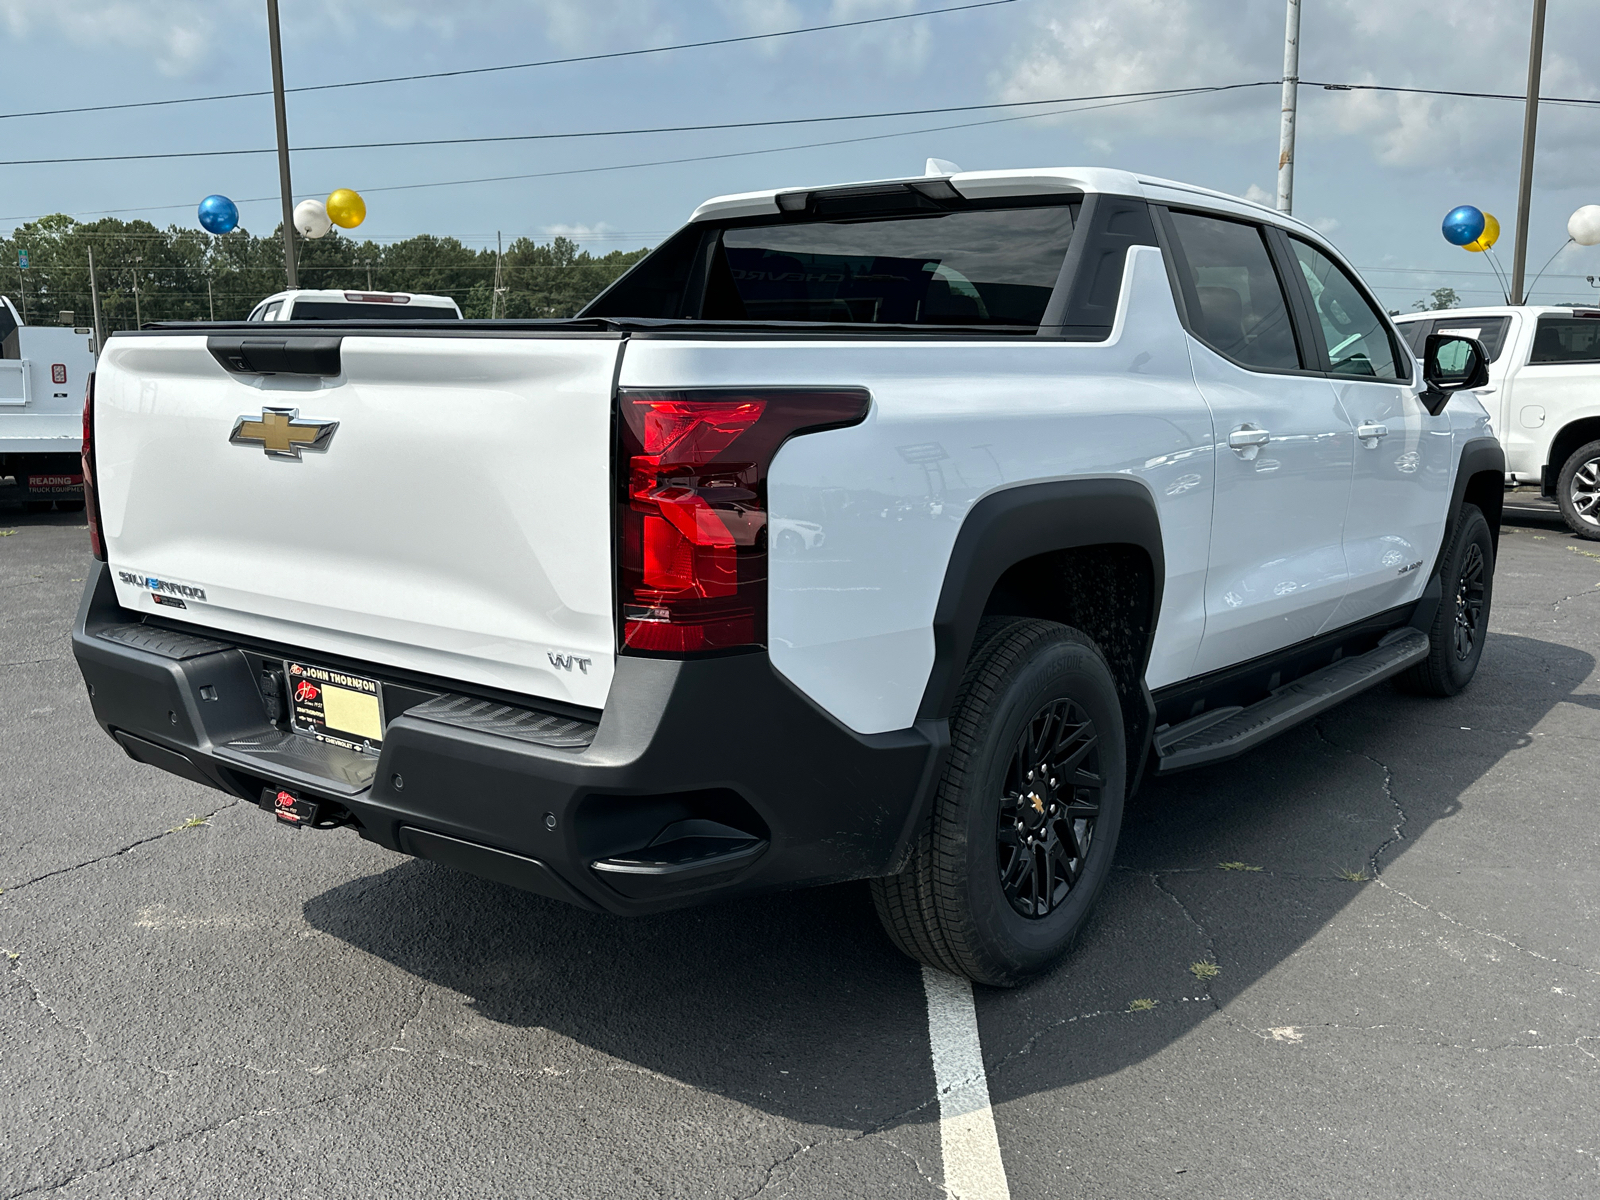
(58, 372)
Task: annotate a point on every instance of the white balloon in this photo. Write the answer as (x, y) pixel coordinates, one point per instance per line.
(1583, 226)
(311, 218)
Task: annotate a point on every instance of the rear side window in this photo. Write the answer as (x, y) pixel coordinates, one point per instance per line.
(323, 310)
(1491, 331)
(1356, 332)
(271, 313)
(1236, 304)
(1566, 340)
(972, 267)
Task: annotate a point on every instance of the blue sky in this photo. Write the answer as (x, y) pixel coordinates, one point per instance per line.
(1376, 172)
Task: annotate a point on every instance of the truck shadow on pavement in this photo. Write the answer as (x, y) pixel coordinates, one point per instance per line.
(796, 1004)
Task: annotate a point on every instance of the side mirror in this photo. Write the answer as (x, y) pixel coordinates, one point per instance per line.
(1451, 364)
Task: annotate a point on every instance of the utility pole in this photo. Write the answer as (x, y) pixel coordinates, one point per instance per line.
(210, 302)
(94, 296)
(367, 263)
(494, 300)
(1530, 128)
(283, 143)
(138, 321)
(1291, 98)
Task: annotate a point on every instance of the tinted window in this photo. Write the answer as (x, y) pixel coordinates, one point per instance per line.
(968, 267)
(1415, 333)
(323, 310)
(1237, 300)
(1491, 331)
(272, 311)
(1566, 340)
(1356, 332)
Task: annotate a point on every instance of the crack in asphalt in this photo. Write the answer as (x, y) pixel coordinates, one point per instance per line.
(1398, 834)
(164, 1143)
(31, 662)
(871, 1131)
(156, 837)
(1504, 941)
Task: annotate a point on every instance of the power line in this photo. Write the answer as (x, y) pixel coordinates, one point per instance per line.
(546, 62)
(696, 158)
(658, 129)
(1582, 101)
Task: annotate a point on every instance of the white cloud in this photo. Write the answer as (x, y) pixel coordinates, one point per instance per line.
(176, 37)
(1260, 195)
(1134, 45)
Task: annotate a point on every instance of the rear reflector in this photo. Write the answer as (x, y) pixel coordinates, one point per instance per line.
(91, 502)
(692, 524)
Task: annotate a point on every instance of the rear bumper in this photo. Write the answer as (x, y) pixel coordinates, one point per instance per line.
(723, 747)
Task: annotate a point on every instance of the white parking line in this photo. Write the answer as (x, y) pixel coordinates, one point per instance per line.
(971, 1150)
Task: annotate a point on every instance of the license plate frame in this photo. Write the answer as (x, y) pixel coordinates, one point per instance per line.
(356, 721)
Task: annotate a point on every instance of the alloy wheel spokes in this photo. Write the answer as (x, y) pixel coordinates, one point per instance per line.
(1469, 602)
(1586, 491)
(1049, 808)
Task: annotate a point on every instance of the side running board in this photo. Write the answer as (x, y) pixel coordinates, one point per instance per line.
(1225, 732)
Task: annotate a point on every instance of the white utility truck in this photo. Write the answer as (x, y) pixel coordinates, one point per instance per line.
(313, 304)
(1115, 475)
(1543, 394)
(43, 372)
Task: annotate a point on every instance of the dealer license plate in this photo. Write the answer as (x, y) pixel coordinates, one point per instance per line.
(332, 706)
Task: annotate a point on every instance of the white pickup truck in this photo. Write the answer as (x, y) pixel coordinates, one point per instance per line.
(43, 370)
(1543, 394)
(1115, 475)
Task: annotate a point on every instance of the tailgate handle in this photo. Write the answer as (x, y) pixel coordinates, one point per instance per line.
(277, 355)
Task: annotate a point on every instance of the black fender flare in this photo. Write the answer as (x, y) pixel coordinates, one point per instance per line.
(1480, 456)
(1018, 523)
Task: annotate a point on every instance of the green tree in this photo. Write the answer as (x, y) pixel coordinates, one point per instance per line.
(187, 275)
(1443, 298)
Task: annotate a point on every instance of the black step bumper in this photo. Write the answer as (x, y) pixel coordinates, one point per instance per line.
(701, 778)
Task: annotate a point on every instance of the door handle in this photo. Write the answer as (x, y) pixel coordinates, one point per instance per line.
(1248, 437)
(1370, 433)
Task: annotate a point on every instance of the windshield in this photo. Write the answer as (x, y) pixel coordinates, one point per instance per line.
(969, 267)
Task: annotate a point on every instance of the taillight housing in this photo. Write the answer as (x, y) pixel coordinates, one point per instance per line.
(91, 501)
(692, 508)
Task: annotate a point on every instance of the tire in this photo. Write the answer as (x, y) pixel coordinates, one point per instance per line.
(1578, 491)
(1460, 626)
(37, 506)
(790, 544)
(974, 899)
(69, 505)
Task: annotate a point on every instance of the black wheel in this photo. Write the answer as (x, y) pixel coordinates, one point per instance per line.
(789, 543)
(37, 506)
(1462, 622)
(1025, 821)
(1578, 491)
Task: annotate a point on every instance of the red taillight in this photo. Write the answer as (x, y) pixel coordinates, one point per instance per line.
(692, 521)
(91, 502)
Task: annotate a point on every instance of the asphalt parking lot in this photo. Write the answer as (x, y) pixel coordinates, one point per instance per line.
(1362, 960)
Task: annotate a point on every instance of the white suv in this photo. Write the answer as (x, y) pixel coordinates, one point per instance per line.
(1543, 394)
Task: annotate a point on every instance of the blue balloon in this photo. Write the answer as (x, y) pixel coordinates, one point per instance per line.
(1463, 225)
(218, 214)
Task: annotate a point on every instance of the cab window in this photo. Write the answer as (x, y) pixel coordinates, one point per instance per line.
(1357, 334)
(1235, 299)
(1566, 340)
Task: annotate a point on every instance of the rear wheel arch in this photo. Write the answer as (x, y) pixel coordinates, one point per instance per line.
(1083, 553)
(1571, 435)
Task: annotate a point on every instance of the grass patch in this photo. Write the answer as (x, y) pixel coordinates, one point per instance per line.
(1141, 1005)
(6, 532)
(1354, 876)
(1585, 553)
(1236, 866)
(1204, 970)
(191, 823)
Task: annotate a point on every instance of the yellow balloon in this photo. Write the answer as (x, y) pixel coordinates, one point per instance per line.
(1489, 236)
(347, 210)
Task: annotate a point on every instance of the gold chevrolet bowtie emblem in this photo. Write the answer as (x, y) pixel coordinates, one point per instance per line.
(282, 434)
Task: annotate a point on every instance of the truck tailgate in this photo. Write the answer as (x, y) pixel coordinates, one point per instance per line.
(457, 523)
